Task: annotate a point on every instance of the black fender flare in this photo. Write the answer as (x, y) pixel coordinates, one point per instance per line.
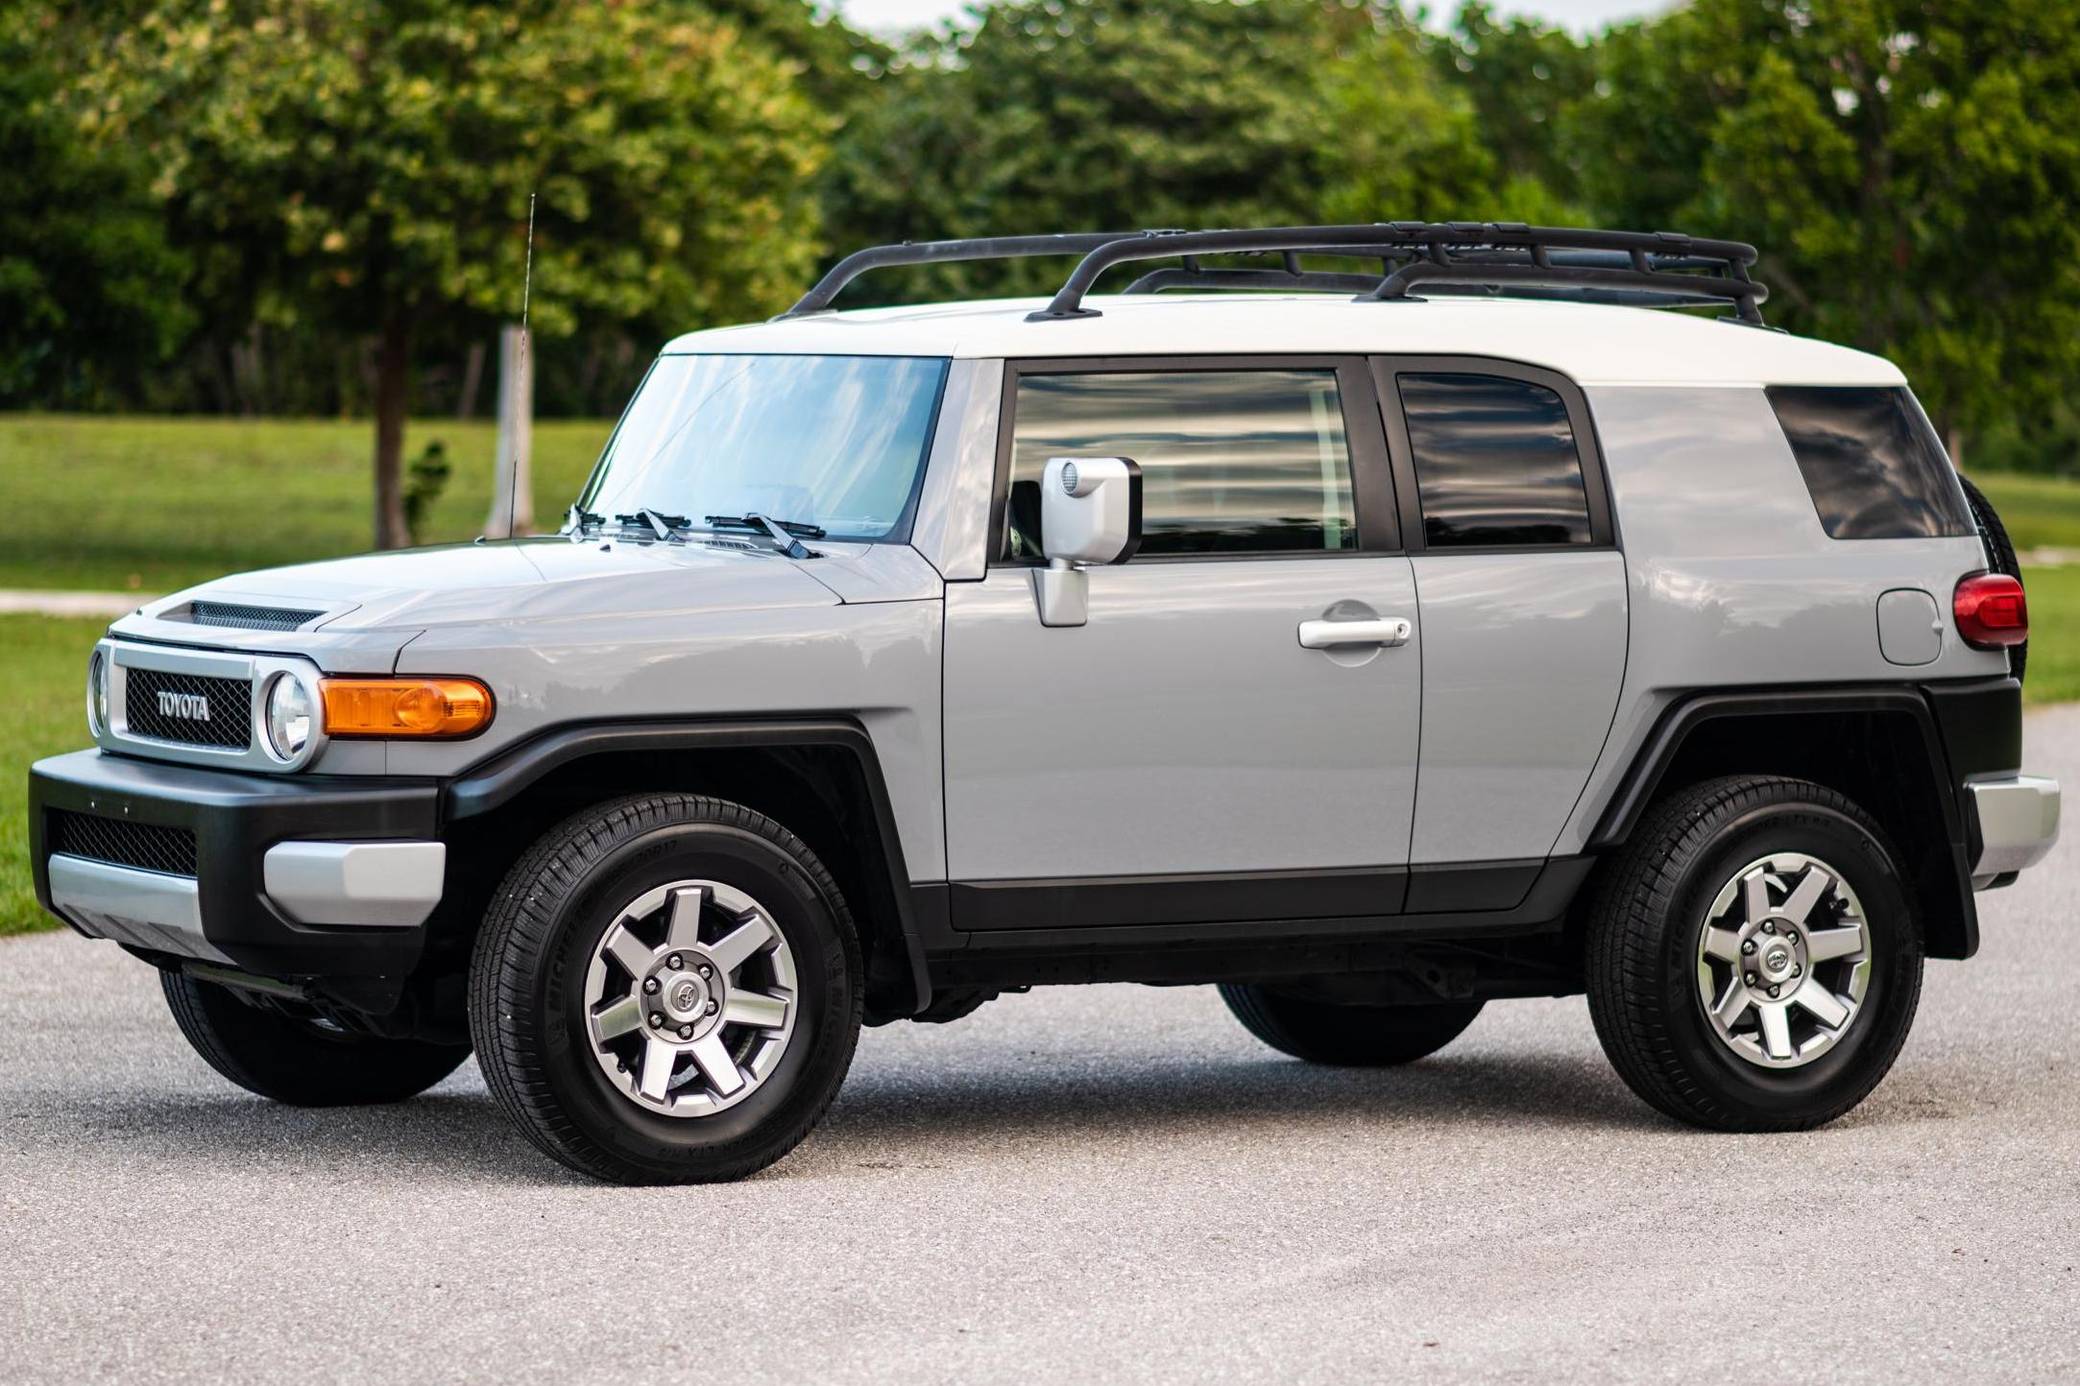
(1964, 727)
(505, 775)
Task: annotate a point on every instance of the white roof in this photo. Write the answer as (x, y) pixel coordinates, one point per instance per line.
(1593, 344)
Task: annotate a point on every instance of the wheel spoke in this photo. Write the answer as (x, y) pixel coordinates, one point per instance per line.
(1732, 1004)
(737, 946)
(1810, 888)
(714, 1060)
(755, 1008)
(1723, 944)
(684, 930)
(1755, 894)
(1822, 1003)
(1776, 1028)
(658, 1057)
(617, 1018)
(632, 953)
(1825, 945)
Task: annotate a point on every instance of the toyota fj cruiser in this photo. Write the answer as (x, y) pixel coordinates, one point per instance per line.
(1372, 643)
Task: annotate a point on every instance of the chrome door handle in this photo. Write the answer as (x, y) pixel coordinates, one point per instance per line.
(1326, 635)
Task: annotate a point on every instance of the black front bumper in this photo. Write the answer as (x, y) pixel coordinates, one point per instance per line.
(234, 818)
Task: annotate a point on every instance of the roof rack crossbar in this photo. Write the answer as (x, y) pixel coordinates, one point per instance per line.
(1328, 281)
(877, 257)
(1500, 254)
(1306, 281)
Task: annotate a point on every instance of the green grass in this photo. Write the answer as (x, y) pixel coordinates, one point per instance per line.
(44, 711)
(2053, 675)
(152, 505)
(2041, 512)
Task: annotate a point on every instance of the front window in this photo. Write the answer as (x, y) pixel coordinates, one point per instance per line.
(1232, 461)
(837, 442)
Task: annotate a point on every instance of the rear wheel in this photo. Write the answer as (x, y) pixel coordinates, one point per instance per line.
(303, 1062)
(1754, 959)
(1327, 1032)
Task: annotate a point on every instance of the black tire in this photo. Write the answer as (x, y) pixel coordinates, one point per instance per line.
(300, 1062)
(1641, 964)
(2000, 553)
(1358, 1036)
(527, 974)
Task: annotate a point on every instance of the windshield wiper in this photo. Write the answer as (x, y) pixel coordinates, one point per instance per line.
(782, 532)
(659, 523)
(577, 519)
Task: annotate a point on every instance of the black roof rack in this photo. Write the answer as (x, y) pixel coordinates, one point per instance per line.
(1653, 269)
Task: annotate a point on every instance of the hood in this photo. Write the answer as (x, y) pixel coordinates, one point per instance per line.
(380, 601)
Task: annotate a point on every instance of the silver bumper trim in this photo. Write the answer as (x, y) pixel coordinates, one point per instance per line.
(145, 909)
(389, 885)
(2018, 823)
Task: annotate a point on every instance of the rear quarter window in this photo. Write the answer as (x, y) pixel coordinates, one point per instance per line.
(1872, 461)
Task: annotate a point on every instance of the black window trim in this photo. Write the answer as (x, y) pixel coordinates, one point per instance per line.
(1387, 370)
(1373, 478)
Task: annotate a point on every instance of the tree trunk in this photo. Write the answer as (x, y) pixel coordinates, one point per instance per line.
(393, 381)
(472, 380)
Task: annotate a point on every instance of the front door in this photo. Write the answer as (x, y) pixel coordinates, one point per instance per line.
(1192, 754)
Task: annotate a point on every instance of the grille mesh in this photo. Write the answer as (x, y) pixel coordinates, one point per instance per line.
(146, 846)
(249, 617)
(230, 709)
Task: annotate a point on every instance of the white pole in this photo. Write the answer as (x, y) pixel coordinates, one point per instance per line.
(512, 494)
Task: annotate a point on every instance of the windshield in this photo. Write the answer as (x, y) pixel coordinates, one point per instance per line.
(831, 441)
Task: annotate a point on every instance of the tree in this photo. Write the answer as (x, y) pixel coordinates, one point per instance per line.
(88, 285)
(1061, 115)
(1908, 170)
(1522, 78)
(366, 165)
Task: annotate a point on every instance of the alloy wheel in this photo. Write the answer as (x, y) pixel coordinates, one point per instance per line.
(690, 999)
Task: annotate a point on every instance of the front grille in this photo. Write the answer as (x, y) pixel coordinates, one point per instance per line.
(249, 617)
(227, 702)
(146, 846)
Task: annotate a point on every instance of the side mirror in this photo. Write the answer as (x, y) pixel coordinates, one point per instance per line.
(1090, 512)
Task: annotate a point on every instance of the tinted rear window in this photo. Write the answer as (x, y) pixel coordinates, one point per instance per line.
(1872, 461)
(1496, 462)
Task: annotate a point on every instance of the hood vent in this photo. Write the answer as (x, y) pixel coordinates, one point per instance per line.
(249, 617)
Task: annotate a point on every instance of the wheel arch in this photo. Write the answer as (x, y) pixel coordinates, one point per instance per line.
(1881, 747)
(819, 777)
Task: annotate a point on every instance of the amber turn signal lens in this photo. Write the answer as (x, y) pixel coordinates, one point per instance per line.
(405, 707)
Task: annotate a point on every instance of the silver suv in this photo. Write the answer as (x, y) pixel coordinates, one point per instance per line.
(1372, 645)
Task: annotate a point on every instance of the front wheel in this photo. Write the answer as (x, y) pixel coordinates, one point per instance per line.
(667, 990)
(298, 1061)
(1754, 959)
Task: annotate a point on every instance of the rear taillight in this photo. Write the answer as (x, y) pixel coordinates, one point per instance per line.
(1991, 611)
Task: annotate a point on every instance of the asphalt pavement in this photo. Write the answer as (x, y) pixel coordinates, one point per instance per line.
(1082, 1184)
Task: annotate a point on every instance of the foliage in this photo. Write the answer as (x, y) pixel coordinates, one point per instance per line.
(1912, 171)
(84, 260)
(366, 165)
(1130, 113)
(424, 481)
(330, 177)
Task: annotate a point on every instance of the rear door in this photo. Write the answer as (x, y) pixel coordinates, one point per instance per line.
(1182, 758)
(1522, 590)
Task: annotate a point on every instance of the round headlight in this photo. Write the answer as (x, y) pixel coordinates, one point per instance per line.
(289, 716)
(97, 692)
